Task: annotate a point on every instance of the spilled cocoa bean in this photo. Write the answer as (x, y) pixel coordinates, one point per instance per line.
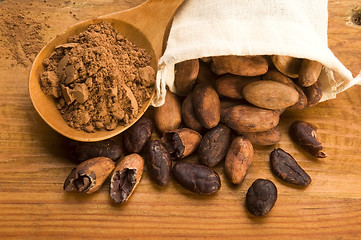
(196, 178)
(158, 162)
(136, 137)
(261, 197)
(214, 145)
(287, 169)
(304, 134)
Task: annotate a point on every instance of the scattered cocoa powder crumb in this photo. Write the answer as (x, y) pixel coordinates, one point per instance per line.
(20, 33)
(99, 79)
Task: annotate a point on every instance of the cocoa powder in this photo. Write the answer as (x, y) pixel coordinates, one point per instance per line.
(98, 78)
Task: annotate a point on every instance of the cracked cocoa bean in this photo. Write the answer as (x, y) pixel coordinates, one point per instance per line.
(196, 178)
(261, 197)
(126, 177)
(214, 145)
(181, 142)
(81, 151)
(89, 175)
(158, 162)
(287, 169)
(304, 134)
(136, 137)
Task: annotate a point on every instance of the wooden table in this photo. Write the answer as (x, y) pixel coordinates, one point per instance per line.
(34, 165)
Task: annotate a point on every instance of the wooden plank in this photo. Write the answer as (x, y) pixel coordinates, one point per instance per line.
(33, 164)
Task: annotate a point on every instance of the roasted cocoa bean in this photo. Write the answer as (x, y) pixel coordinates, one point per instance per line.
(280, 77)
(304, 134)
(238, 159)
(240, 65)
(270, 94)
(205, 75)
(188, 115)
(186, 73)
(313, 94)
(265, 138)
(231, 85)
(196, 178)
(136, 137)
(158, 162)
(89, 175)
(287, 169)
(168, 116)
(181, 142)
(214, 145)
(81, 151)
(309, 72)
(126, 177)
(245, 118)
(287, 65)
(261, 197)
(206, 105)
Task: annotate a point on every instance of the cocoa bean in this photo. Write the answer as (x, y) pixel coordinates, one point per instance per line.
(214, 145)
(181, 142)
(261, 197)
(168, 116)
(158, 162)
(287, 65)
(188, 115)
(186, 73)
(231, 85)
(206, 105)
(313, 93)
(304, 134)
(270, 94)
(244, 118)
(287, 169)
(309, 72)
(196, 178)
(240, 65)
(238, 159)
(126, 177)
(266, 138)
(82, 151)
(136, 137)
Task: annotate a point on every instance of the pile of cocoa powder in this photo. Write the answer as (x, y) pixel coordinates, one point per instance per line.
(99, 79)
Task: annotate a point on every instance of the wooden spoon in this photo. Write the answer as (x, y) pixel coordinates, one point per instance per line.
(145, 25)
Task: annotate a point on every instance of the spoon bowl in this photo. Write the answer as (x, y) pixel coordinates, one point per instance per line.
(145, 25)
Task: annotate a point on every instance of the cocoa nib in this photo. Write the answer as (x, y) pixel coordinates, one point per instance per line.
(123, 183)
(77, 182)
(304, 134)
(261, 197)
(287, 169)
(126, 177)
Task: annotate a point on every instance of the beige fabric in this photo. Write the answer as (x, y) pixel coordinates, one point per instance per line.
(296, 28)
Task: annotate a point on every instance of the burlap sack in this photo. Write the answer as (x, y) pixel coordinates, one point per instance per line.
(295, 28)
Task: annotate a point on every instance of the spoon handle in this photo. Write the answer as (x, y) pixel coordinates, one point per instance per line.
(153, 19)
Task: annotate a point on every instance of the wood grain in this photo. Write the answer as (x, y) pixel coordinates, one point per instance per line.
(33, 164)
